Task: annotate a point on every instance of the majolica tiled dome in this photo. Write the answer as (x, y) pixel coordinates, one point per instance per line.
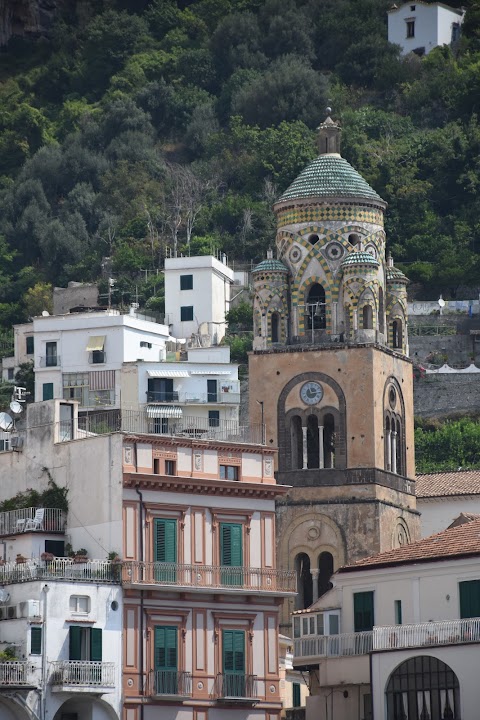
(270, 264)
(329, 175)
(359, 258)
(396, 275)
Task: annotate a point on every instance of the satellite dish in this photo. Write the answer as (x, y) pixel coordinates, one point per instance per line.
(45, 313)
(16, 407)
(6, 422)
(4, 596)
(441, 302)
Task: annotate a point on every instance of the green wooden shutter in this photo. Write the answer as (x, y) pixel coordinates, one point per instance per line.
(296, 696)
(165, 540)
(363, 611)
(96, 644)
(47, 391)
(165, 650)
(231, 545)
(469, 599)
(233, 652)
(75, 643)
(36, 641)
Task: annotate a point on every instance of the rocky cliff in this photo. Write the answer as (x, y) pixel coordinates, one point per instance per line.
(26, 18)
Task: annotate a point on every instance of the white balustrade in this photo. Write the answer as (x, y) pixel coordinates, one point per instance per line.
(445, 632)
(13, 673)
(333, 645)
(77, 673)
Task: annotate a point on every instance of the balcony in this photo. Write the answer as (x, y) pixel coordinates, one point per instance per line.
(49, 361)
(139, 422)
(308, 649)
(170, 684)
(449, 632)
(14, 674)
(191, 398)
(233, 688)
(97, 571)
(46, 520)
(209, 577)
(82, 676)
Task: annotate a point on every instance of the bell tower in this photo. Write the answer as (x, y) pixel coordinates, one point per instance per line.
(330, 369)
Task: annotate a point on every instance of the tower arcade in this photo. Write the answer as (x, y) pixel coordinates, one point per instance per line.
(330, 369)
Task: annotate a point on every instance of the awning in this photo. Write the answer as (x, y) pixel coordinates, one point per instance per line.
(159, 411)
(95, 342)
(167, 373)
(210, 372)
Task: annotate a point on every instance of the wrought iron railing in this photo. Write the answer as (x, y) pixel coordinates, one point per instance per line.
(235, 686)
(170, 682)
(49, 361)
(99, 571)
(81, 673)
(209, 576)
(445, 632)
(14, 673)
(346, 644)
(137, 421)
(51, 520)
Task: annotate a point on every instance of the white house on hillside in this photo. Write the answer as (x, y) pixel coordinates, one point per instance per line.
(442, 497)
(419, 26)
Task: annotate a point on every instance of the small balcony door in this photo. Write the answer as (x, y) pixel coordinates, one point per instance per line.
(160, 390)
(165, 549)
(234, 663)
(212, 392)
(51, 354)
(231, 553)
(166, 660)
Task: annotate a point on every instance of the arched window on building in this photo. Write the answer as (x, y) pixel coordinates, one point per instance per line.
(367, 317)
(399, 448)
(304, 582)
(313, 448)
(316, 309)
(388, 457)
(297, 442)
(275, 320)
(397, 334)
(329, 441)
(353, 239)
(325, 572)
(381, 311)
(423, 687)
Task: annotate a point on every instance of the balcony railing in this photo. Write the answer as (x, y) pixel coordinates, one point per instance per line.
(49, 361)
(83, 673)
(209, 576)
(191, 398)
(449, 632)
(51, 520)
(98, 571)
(138, 422)
(170, 682)
(14, 673)
(343, 645)
(233, 687)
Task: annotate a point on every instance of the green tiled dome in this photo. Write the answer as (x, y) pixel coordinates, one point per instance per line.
(270, 264)
(360, 258)
(329, 175)
(396, 275)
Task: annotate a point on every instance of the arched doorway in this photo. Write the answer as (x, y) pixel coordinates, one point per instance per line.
(423, 687)
(304, 582)
(325, 572)
(11, 710)
(316, 315)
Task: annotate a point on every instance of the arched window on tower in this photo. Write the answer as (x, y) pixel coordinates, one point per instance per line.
(399, 448)
(304, 582)
(397, 334)
(325, 572)
(313, 447)
(388, 440)
(353, 239)
(329, 441)
(381, 311)
(367, 317)
(297, 442)
(275, 320)
(316, 309)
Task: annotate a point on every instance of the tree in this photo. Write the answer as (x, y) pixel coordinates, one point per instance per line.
(25, 377)
(39, 298)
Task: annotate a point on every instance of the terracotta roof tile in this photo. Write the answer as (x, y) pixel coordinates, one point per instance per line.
(460, 482)
(459, 541)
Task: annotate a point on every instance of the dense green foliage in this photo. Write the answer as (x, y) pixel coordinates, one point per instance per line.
(141, 128)
(447, 446)
(53, 496)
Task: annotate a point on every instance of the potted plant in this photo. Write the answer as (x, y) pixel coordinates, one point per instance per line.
(20, 559)
(81, 556)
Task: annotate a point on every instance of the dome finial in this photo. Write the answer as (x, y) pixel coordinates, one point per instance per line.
(329, 135)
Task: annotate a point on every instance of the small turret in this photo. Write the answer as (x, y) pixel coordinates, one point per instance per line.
(328, 138)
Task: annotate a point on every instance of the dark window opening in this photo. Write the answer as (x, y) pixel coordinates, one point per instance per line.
(297, 442)
(212, 391)
(186, 282)
(325, 568)
(156, 466)
(367, 317)
(353, 239)
(304, 582)
(329, 441)
(98, 356)
(397, 334)
(275, 327)
(313, 239)
(381, 310)
(56, 547)
(316, 310)
(296, 695)
(161, 390)
(170, 467)
(410, 28)
(229, 472)
(313, 446)
(186, 313)
(51, 354)
(363, 615)
(47, 391)
(214, 418)
(30, 345)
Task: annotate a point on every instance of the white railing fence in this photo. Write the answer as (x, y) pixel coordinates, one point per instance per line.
(101, 571)
(449, 632)
(32, 520)
(13, 673)
(334, 645)
(83, 672)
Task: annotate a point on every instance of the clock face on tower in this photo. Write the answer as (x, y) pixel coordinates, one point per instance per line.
(311, 393)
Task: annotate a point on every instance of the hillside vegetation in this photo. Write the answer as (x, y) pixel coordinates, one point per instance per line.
(140, 128)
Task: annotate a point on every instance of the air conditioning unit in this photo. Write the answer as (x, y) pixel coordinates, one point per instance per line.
(3, 613)
(11, 612)
(29, 609)
(16, 442)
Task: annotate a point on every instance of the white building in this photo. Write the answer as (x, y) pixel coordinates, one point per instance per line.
(419, 26)
(442, 497)
(61, 620)
(405, 633)
(197, 297)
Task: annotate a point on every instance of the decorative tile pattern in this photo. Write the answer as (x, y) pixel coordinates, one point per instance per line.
(315, 213)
